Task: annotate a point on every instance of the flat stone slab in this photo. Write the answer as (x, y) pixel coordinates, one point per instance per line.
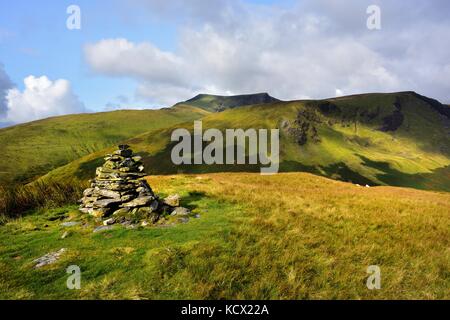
(139, 202)
(108, 193)
(106, 203)
(49, 258)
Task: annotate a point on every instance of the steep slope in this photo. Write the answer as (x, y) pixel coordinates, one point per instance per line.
(214, 103)
(32, 149)
(398, 139)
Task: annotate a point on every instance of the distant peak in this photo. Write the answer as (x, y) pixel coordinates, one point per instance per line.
(217, 103)
(203, 95)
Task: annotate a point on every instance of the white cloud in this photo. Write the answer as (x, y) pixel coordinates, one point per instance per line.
(306, 49)
(120, 57)
(5, 85)
(41, 98)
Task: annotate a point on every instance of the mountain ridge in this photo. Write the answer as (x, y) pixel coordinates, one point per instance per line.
(375, 139)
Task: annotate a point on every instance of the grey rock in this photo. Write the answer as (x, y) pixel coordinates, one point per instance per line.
(180, 211)
(49, 258)
(108, 193)
(139, 202)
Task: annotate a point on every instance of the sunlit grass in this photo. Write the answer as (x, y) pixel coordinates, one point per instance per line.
(288, 236)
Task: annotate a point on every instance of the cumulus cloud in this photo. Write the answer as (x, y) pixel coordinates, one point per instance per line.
(5, 85)
(113, 57)
(41, 98)
(310, 48)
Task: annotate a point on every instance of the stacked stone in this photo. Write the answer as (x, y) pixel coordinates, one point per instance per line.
(120, 190)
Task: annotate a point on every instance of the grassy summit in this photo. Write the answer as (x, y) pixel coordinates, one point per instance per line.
(288, 236)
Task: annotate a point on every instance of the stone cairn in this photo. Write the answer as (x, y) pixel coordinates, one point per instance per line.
(121, 194)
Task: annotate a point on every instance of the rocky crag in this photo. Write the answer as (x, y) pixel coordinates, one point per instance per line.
(120, 194)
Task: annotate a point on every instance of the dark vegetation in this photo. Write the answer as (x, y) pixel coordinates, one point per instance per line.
(15, 201)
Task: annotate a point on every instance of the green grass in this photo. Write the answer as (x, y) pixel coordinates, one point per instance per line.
(32, 149)
(289, 236)
(121, 263)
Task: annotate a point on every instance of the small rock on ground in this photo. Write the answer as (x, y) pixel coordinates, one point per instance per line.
(49, 258)
(180, 211)
(172, 200)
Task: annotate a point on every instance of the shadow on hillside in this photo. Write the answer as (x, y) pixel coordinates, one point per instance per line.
(190, 200)
(337, 171)
(86, 170)
(161, 164)
(438, 179)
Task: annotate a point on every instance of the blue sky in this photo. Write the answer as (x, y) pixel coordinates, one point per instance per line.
(151, 53)
(36, 41)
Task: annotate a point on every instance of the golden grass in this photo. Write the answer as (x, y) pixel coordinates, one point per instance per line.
(304, 236)
(287, 236)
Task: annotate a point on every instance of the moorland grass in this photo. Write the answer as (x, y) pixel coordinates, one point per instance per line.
(288, 236)
(17, 200)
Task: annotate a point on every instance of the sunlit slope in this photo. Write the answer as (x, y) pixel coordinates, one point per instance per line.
(32, 149)
(395, 139)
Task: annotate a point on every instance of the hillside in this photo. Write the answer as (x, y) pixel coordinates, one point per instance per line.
(288, 236)
(32, 149)
(399, 139)
(214, 103)
(41, 146)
